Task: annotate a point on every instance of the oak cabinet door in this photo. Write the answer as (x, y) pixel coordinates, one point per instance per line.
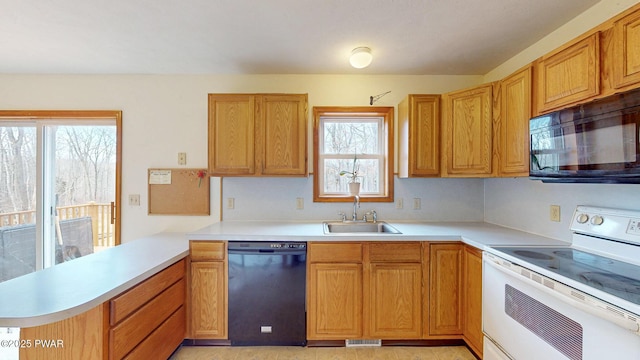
(514, 123)
(208, 300)
(445, 297)
(258, 134)
(419, 136)
(569, 75)
(626, 62)
(334, 301)
(468, 130)
(472, 298)
(395, 297)
(232, 128)
(284, 133)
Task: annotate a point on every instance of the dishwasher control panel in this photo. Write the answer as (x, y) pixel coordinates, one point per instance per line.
(288, 245)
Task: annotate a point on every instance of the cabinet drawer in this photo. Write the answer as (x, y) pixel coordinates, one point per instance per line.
(130, 332)
(395, 252)
(164, 340)
(335, 252)
(206, 250)
(126, 303)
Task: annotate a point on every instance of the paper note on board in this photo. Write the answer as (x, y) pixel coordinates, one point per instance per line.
(160, 177)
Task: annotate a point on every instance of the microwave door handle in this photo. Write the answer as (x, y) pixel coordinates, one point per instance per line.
(593, 309)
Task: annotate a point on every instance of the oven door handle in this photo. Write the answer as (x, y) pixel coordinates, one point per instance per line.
(615, 315)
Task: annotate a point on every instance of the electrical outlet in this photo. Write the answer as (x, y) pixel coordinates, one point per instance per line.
(231, 203)
(182, 158)
(399, 203)
(134, 200)
(554, 213)
(416, 204)
(299, 203)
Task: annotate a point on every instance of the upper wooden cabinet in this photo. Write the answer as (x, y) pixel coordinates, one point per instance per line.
(419, 136)
(569, 74)
(513, 122)
(232, 133)
(626, 60)
(258, 134)
(467, 132)
(283, 125)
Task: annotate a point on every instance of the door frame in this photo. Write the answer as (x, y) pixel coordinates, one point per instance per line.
(84, 114)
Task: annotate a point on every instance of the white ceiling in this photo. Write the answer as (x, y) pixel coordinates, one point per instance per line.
(416, 37)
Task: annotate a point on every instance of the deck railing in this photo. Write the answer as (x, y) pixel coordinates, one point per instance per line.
(102, 228)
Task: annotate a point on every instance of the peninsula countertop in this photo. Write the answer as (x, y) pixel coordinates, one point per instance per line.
(71, 288)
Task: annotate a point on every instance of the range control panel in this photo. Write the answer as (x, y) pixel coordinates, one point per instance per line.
(615, 224)
(634, 227)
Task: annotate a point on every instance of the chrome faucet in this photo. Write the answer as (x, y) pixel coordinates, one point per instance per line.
(356, 205)
(371, 213)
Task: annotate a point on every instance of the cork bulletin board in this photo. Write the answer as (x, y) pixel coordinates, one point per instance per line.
(178, 191)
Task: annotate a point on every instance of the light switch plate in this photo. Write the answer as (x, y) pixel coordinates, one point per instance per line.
(182, 158)
(134, 200)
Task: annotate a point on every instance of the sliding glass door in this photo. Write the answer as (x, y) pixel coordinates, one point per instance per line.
(59, 188)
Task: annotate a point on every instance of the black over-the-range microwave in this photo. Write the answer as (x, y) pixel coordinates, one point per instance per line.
(596, 142)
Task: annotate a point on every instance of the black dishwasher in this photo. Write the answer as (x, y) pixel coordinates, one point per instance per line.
(267, 293)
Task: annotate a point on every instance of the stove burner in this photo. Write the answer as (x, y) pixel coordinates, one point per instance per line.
(615, 282)
(533, 255)
(565, 254)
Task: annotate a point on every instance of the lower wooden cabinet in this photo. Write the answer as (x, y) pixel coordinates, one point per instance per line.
(364, 291)
(145, 322)
(334, 301)
(334, 291)
(208, 308)
(395, 300)
(126, 336)
(445, 289)
(472, 298)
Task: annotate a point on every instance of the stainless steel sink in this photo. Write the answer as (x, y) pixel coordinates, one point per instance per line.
(356, 227)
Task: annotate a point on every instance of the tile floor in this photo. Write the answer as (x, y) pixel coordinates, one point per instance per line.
(322, 353)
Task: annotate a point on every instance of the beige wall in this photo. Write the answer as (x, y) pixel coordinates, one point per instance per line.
(596, 15)
(164, 115)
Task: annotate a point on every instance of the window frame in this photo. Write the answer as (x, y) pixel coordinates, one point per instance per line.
(384, 112)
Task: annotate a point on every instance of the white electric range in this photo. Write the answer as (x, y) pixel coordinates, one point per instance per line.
(576, 302)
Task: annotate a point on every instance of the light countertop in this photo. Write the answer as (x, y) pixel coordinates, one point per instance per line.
(71, 288)
(477, 234)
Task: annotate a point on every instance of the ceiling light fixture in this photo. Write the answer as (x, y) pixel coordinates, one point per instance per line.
(360, 57)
